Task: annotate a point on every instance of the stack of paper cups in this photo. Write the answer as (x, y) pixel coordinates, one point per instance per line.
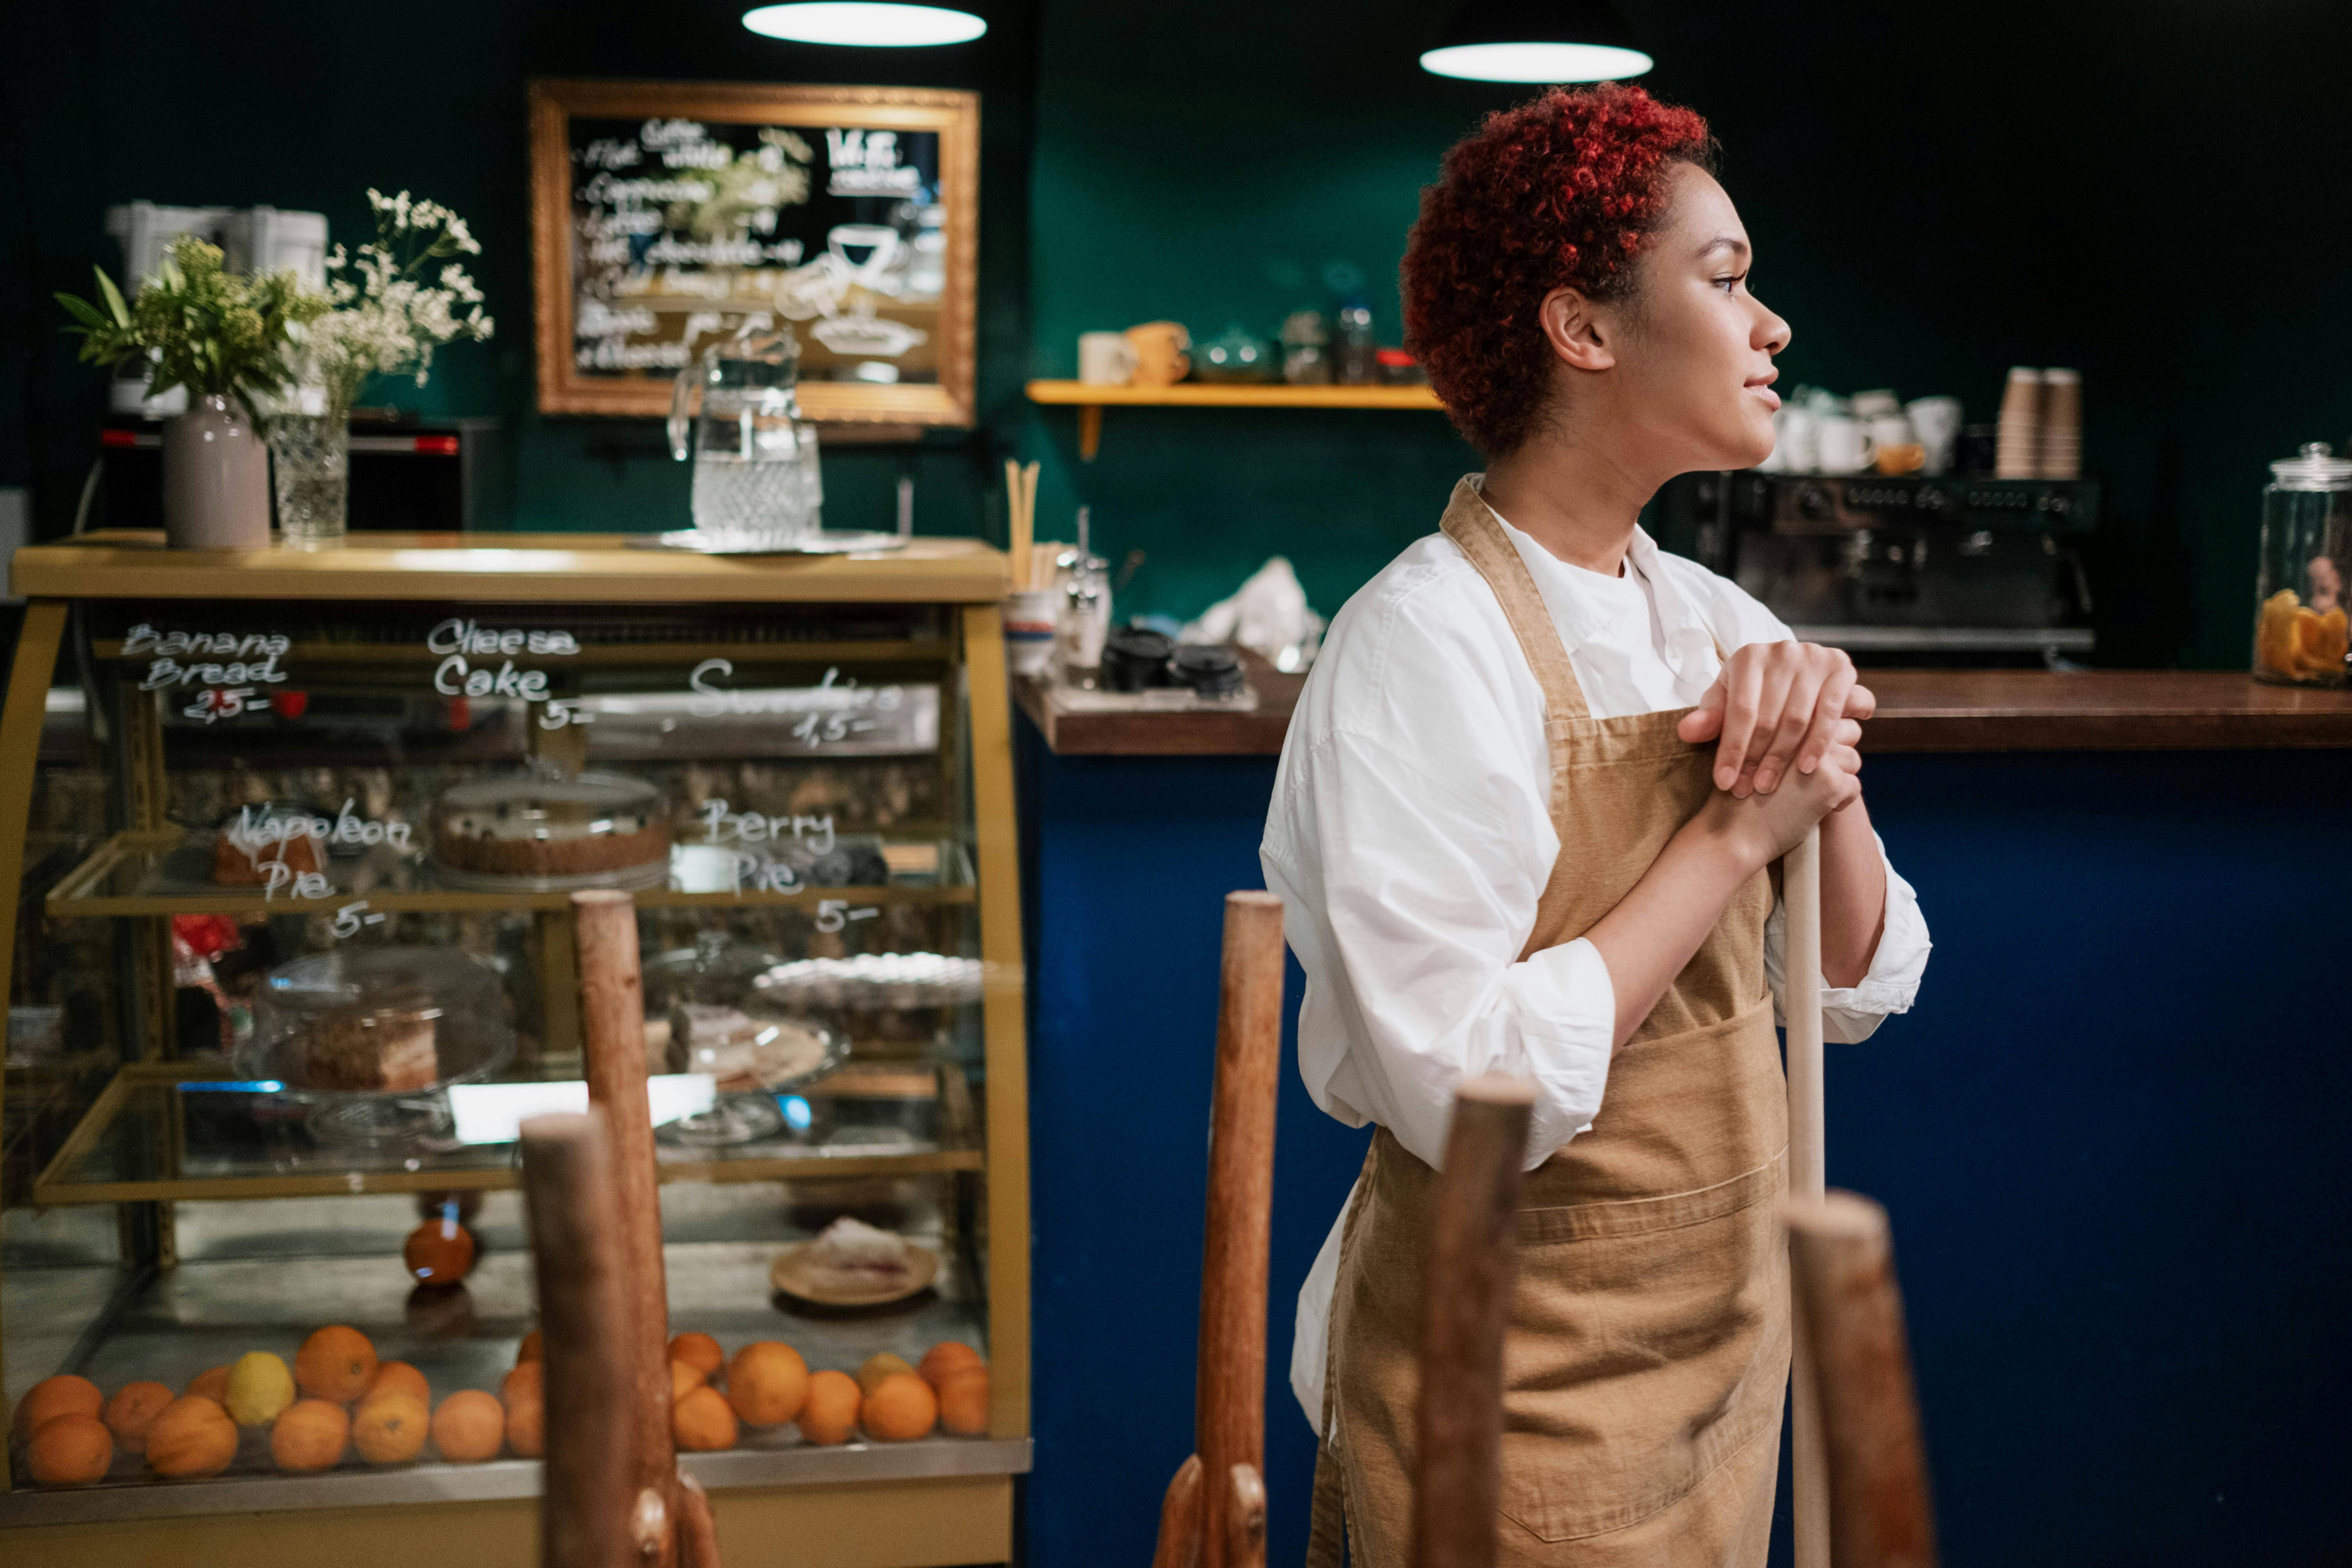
(2062, 425)
(2019, 454)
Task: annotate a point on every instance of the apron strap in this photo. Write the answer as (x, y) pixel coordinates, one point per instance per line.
(1471, 524)
(1327, 1525)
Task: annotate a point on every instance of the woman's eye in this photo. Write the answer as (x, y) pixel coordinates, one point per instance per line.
(1733, 282)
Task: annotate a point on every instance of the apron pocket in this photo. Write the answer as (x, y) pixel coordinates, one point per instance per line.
(1648, 1344)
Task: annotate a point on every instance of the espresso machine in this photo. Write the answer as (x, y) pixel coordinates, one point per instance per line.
(1944, 569)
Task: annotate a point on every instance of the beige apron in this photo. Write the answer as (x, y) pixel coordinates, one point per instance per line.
(1648, 1351)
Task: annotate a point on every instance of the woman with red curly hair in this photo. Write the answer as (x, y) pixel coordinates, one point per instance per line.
(1523, 825)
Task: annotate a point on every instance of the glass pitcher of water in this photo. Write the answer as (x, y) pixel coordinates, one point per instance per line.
(755, 463)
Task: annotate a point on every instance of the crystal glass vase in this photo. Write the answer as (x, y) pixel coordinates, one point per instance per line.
(311, 454)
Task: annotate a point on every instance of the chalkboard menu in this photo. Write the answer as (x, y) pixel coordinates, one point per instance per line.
(670, 218)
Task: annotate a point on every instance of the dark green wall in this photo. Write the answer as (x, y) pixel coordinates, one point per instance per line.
(2146, 191)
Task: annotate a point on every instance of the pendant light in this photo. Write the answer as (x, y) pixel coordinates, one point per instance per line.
(869, 24)
(1535, 41)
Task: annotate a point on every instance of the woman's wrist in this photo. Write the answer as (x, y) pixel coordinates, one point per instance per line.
(1733, 843)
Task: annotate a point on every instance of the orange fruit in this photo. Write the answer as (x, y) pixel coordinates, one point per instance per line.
(767, 1384)
(683, 1380)
(963, 1401)
(900, 1408)
(470, 1426)
(309, 1435)
(391, 1428)
(398, 1377)
(133, 1410)
(193, 1437)
(72, 1451)
(830, 1413)
(530, 1350)
(878, 1366)
(702, 1422)
(523, 1394)
(700, 1351)
(336, 1364)
(946, 1357)
(210, 1383)
(63, 1394)
(530, 1375)
(439, 1252)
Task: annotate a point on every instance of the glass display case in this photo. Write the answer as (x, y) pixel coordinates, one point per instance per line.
(293, 949)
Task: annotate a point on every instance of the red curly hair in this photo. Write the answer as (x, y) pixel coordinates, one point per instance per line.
(1557, 193)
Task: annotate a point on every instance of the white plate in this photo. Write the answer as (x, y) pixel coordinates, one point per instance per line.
(824, 541)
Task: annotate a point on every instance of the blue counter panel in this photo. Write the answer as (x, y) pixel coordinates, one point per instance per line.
(2110, 1136)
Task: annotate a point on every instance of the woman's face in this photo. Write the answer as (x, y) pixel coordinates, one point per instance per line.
(1693, 377)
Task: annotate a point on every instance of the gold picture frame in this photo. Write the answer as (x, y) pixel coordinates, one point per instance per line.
(653, 317)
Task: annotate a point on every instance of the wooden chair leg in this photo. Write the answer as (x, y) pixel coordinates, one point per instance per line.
(1209, 1514)
(587, 1324)
(1473, 1262)
(1842, 1255)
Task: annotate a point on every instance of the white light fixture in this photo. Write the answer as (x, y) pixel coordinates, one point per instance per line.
(1537, 41)
(1535, 62)
(865, 23)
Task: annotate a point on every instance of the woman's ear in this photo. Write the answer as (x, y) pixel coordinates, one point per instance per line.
(1572, 325)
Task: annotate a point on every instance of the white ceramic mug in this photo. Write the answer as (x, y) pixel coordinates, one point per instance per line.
(1106, 359)
(1846, 447)
(1798, 449)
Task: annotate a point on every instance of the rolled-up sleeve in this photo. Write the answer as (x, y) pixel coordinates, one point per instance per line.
(1408, 912)
(1851, 1014)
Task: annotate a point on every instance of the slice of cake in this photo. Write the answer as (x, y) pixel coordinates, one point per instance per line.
(850, 1257)
(386, 1044)
(743, 1053)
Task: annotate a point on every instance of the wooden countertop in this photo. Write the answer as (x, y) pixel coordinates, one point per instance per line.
(518, 568)
(1918, 710)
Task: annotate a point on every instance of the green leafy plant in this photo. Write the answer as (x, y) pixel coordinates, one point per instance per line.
(198, 325)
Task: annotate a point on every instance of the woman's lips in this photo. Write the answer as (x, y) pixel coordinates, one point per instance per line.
(1771, 398)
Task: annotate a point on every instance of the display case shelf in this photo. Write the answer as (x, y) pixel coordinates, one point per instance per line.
(168, 1325)
(163, 1132)
(164, 871)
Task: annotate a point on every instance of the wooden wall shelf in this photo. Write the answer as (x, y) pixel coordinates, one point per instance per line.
(1091, 400)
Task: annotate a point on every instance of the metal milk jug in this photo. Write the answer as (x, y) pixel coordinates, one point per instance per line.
(755, 460)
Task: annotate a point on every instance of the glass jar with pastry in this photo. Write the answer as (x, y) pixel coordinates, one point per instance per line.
(367, 1036)
(704, 1015)
(2300, 626)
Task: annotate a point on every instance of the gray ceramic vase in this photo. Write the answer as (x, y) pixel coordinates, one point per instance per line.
(215, 478)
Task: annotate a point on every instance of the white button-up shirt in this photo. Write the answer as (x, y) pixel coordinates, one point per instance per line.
(1411, 837)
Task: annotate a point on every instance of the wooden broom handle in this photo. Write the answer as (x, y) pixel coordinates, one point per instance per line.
(1229, 1411)
(588, 1327)
(1801, 1006)
(612, 1048)
(1473, 1260)
(1843, 1260)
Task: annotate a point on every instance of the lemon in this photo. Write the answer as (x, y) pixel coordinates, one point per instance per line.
(878, 1367)
(259, 1386)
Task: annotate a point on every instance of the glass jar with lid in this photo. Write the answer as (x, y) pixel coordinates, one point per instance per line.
(2300, 632)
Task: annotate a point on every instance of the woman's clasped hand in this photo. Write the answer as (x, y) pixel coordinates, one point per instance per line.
(1783, 713)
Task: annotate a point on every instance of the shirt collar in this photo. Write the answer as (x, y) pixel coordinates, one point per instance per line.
(1689, 647)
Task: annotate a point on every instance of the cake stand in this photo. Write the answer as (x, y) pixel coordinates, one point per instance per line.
(319, 1021)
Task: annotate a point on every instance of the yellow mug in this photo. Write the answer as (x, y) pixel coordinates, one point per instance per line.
(1159, 356)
